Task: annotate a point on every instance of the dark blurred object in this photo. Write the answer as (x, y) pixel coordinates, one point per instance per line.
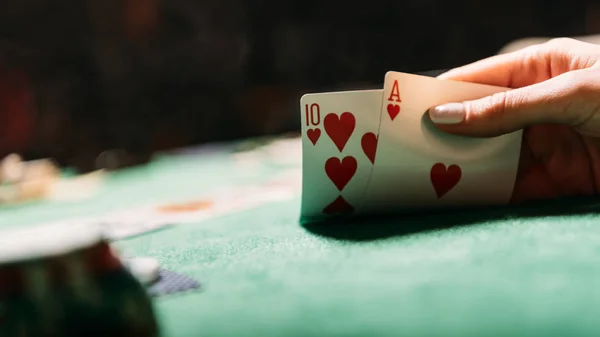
(147, 75)
(80, 289)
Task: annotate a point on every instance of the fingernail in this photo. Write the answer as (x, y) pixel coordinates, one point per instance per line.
(451, 113)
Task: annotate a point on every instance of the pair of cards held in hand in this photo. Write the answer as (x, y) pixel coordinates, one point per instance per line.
(376, 151)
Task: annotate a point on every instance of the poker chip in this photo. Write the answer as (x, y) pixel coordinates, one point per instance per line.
(26, 181)
(76, 188)
(38, 242)
(43, 169)
(111, 159)
(65, 280)
(55, 255)
(144, 269)
(11, 168)
(41, 179)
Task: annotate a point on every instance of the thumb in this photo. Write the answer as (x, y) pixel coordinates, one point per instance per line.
(564, 99)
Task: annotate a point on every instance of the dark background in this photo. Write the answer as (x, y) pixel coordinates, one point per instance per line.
(81, 77)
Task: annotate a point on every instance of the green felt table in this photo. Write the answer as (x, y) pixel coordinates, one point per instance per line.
(518, 271)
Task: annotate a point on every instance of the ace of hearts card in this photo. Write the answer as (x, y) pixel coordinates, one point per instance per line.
(339, 141)
(419, 166)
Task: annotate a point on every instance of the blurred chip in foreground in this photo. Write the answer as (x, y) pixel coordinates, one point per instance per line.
(64, 280)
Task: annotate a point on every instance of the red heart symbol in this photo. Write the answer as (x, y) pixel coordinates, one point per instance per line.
(393, 110)
(339, 205)
(340, 128)
(369, 145)
(313, 135)
(341, 171)
(443, 179)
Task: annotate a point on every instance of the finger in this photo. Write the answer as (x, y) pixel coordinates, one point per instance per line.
(553, 163)
(566, 99)
(502, 70)
(529, 65)
(532, 179)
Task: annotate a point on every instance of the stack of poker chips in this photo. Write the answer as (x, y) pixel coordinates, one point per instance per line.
(22, 181)
(35, 180)
(65, 280)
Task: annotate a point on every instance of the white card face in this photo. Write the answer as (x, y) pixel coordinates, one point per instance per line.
(418, 166)
(339, 140)
(123, 224)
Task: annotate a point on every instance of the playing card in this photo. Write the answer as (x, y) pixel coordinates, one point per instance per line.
(170, 282)
(339, 139)
(147, 218)
(158, 281)
(419, 166)
(142, 219)
(123, 224)
(126, 224)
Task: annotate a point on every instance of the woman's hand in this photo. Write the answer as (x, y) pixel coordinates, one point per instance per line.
(556, 100)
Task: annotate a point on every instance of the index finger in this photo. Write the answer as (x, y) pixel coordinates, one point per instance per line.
(529, 65)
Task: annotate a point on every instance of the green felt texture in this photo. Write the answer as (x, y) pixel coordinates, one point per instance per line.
(528, 271)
